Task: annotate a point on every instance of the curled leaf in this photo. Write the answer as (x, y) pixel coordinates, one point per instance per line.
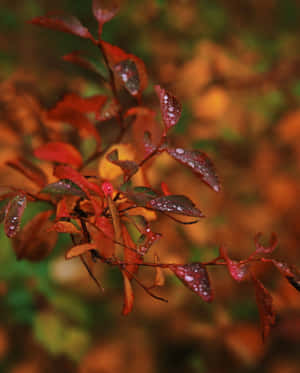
(104, 11)
(128, 295)
(63, 23)
(59, 152)
(13, 214)
(195, 277)
(169, 106)
(261, 249)
(238, 271)
(79, 250)
(128, 73)
(265, 307)
(199, 163)
(176, 204)
(64, 187)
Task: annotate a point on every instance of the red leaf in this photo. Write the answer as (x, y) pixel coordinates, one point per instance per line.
(200, 165)
(115, 55)
(104, 11)
(28, 169)
(165, 189)
(195, 277)
(62, 112)
(261, 249)
(79, 250)
(103, 236)
(128, 73)
(92, 104)
(35, 242)
(265, 307)
(63, 23)
(238, 271)
(13, 214)
(62, 210)
(59, 152)
(169, 106)
(147, 240)
(128, 295)
(176, 204)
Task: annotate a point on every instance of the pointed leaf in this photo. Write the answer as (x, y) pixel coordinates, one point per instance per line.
(169, 106)
(13, 214)
(63, 23)
(290, 272)
(64, 227)
(265, 307)
(128, 295)
(199, 163)
(261, 249)
(176, 204)
(30, 170)
(129, 167)
(64, 187)
(195, 277)
(104, 11)
(59, 152)
(79, 250)
(128, 73)
(35, 242)
(115, 55)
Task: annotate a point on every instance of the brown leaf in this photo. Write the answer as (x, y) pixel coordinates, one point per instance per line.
(35, 242)
(265, 307)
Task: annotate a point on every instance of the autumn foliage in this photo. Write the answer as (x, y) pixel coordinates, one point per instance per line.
(105, 201)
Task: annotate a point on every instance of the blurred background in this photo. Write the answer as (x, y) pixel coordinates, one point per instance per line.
(235, 66)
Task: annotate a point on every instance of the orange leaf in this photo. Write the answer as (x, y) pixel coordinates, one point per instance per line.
(128, 295)
(64, 227)
(79, 250)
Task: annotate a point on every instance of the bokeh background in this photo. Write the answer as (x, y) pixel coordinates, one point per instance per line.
(235, 66)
